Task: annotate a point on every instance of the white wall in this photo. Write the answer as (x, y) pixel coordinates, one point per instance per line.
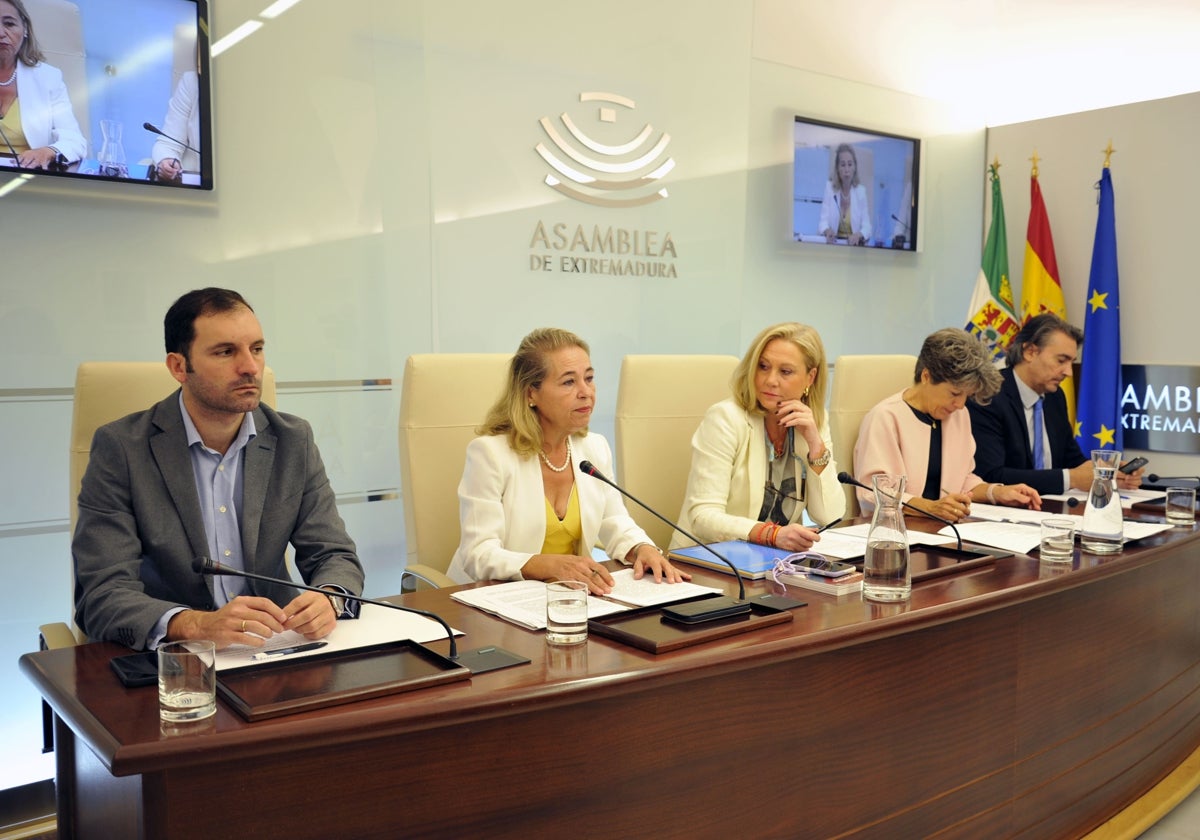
(1154, 185)
(376, 194)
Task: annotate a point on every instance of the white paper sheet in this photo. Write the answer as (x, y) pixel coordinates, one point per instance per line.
(375, 625)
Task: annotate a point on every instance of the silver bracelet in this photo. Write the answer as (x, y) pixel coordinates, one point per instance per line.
(991, 493)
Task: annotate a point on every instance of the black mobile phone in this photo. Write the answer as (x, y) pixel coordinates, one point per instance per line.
(1135, 464)
(824, 567)
(136, 668)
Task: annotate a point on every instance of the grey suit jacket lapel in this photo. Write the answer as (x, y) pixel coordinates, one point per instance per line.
(259, 460)
(170, 450)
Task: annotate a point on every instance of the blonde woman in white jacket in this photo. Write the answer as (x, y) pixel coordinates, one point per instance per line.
(526, 511)
(763, 457)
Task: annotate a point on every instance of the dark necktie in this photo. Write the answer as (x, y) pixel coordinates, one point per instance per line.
(1039, 454)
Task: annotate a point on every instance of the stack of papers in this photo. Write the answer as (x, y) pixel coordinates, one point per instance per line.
(523, 602)
(850, 543)
(375, 625)
(1129, 498)
(1016, 529)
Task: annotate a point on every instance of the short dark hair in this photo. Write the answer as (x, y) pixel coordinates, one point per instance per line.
(1037, 332)
(179, 325)
(956, 356)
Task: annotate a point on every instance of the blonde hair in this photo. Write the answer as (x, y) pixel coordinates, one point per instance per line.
(512, 415)
(834, 177)
(808, 341)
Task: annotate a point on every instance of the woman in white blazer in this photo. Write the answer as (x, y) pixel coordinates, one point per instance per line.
(526, 510)
(845, 213)
(177, 151)
(35, 110)
(763, 458)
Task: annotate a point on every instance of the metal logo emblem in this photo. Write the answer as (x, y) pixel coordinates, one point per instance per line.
(624, 174)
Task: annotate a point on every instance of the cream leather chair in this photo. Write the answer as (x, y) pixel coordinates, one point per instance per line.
(60, 35)
(859, 382)
(442, 402)
(660, 402)
(107, 391)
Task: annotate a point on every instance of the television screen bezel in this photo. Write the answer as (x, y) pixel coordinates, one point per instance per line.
(912, 240)
(207, 177)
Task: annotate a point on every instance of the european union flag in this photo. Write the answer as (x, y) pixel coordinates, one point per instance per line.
(1099, 413)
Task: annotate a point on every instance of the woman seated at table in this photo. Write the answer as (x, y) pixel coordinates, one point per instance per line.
(527, 511)
(35, 111)
(761, 458)
(923, 433)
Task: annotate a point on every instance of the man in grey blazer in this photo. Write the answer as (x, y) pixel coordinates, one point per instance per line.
(208, 472)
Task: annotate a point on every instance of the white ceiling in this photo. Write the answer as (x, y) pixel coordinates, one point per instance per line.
(1000, 61)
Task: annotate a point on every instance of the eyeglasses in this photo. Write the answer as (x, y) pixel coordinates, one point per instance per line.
(778, 495)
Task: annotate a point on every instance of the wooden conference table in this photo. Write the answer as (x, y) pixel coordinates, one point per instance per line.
(1017, 699)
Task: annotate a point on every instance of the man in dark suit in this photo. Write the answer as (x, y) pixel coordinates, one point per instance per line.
(1006, 446)
(208, 472)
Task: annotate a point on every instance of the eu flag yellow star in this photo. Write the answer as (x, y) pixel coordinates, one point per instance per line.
(1106, 436)
(1078, 429)
(1097, 300)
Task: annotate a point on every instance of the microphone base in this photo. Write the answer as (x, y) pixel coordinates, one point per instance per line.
(778, 603)
(707, 609)
(484, 659)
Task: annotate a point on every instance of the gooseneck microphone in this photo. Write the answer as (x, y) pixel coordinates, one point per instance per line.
(846, 478)
(1155, 478)
(16, 157)
(590, 469)
(722, 607)
(896, 218)
(205, 566)
(161, 133)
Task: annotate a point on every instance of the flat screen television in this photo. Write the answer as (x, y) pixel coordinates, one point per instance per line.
(121, 86)
(853, 186)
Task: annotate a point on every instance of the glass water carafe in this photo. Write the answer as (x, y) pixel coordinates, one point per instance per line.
(112, 153)
(886, 575)
(1103, 528)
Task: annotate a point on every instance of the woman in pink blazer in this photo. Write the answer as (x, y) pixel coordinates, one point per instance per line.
(923, 433)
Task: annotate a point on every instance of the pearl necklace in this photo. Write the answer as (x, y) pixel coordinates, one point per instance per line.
(566, 463)
(11, 78)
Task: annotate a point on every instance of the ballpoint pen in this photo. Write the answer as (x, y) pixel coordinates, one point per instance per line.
(295, 649)
(830, 525)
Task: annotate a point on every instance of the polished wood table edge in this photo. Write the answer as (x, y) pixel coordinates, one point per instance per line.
(386, 717)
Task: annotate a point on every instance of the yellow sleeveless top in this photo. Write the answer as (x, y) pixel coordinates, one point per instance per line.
(563, 535)
(13, 130)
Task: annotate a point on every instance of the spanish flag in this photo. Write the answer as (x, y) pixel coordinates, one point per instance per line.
(1041, 290)
(990, 315)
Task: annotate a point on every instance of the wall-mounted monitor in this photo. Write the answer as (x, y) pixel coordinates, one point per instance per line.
(107, 90)
(854, 186)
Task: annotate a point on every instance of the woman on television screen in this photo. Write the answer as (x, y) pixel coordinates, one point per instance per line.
(923, 433)
(763, 457)
(526, 512)
(844, 210)
(176, 152)
(38, 125)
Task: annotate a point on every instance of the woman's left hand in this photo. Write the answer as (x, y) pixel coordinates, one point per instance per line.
(1018, 495)
(647, 558)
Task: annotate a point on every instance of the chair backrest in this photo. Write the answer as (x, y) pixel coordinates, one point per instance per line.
(660, 402)
(60, 35)
(859, 382)
(107, 391)
(438, 418)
